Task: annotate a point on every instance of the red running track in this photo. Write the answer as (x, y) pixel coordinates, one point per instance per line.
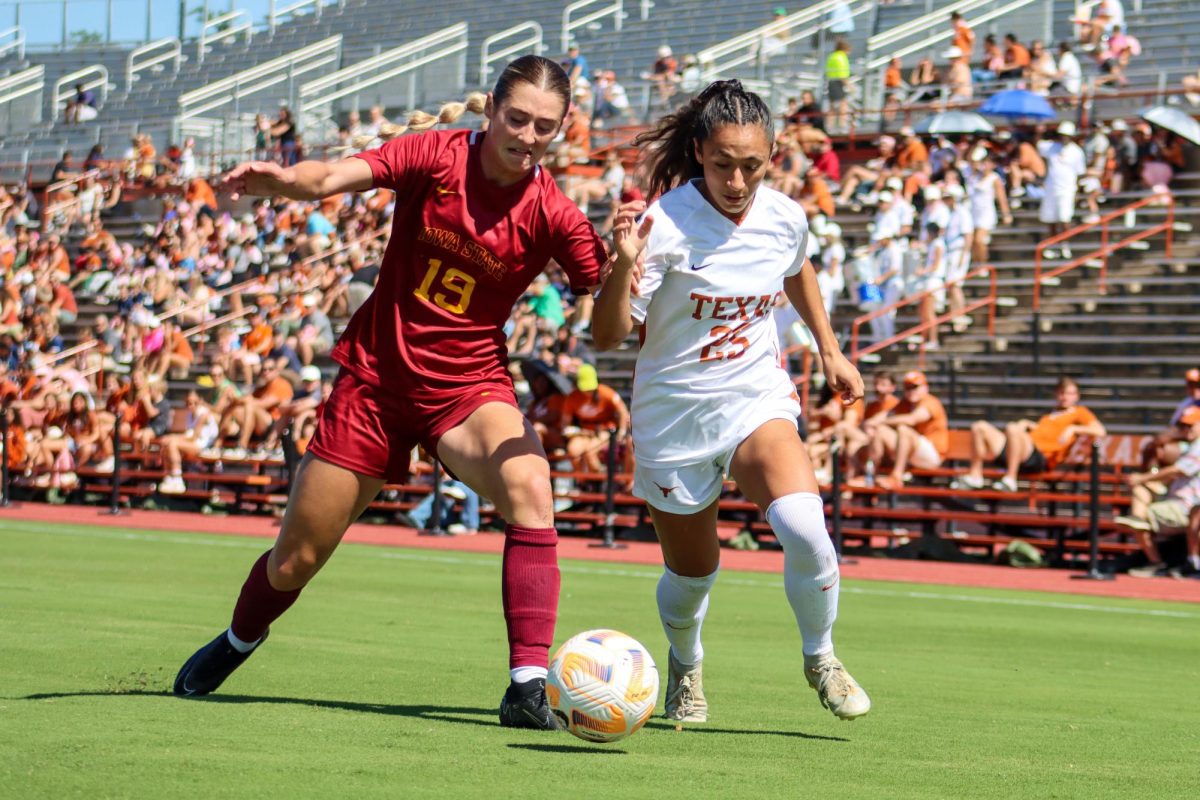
(870, 569)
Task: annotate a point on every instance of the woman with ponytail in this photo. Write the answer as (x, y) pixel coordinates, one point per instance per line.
(709, 395)
(423, 361)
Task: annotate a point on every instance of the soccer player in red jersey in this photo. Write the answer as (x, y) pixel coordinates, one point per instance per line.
(423, 361)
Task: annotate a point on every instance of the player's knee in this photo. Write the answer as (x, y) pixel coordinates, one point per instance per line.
(527, 492)
(295, 567)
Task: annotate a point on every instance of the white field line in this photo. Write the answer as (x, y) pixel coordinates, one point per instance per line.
(489, 561)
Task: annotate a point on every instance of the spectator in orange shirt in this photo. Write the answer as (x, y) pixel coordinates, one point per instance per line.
(831, 421)
(1028, 446)
(913, 153)
(1016, 58)
(587, 414)
(815, 197)
(548, 390)
(916, 431)
(964, 37)
(893, 89)
(883, 404)
(200, 194)
(252, 416)
(176, 354)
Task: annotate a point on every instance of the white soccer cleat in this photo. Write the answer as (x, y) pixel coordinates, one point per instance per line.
(685, 693)
(836, 688)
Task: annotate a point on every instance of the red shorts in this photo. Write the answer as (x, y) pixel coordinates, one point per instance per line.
(372, 430)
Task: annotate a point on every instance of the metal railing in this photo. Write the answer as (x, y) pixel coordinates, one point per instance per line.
(529, 44)
(21, 85)
(226, 26)
(15, 41)
(924, 25)
(49, 209)
(749, 48)
(403, 60)
(151, 55)
(988, 301)
(611, 8)
(276, 14)
(231, 90)
(1106, 248)
(98, 81)
(312, 261)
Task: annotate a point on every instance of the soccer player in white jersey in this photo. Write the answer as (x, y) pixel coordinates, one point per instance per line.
(710, 396)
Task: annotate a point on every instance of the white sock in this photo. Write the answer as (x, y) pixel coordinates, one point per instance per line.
(810, 568)
(526, 674)
(682, 604)
(238, 644)
(1195, 561)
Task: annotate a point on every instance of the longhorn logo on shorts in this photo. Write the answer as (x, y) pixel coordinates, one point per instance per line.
(666, 491)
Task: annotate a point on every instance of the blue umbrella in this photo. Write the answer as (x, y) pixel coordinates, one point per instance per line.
(1017, 103)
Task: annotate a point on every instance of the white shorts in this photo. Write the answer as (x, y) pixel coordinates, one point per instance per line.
(958, 264)
(1057, 208)
(690, 487)
(925, 455)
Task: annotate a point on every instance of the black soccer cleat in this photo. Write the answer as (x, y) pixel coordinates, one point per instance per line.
(524, 705)
(210, 666)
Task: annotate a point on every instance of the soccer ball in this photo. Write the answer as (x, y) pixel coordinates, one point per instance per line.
(602, 685)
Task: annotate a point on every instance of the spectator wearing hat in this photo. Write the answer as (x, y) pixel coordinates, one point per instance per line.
(1126, 153)
(960, 239)
(574, 64)
(691, 79)
(831, 278)
(1026, 446)
(664, 74)
(985, 191)
(958, 77)
(1065, 165)
(915, 432)
(314, 337)
(548, 390)
(293, 414)
(870, 173)
(1168, 444)
(1168, 514)
(587, 415)
(913, 154)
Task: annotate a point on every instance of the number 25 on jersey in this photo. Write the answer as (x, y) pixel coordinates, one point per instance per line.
(457, 284)
(726, 345)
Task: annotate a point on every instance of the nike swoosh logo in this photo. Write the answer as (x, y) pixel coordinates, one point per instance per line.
(672, 627)
(441, 190)
(698, 268)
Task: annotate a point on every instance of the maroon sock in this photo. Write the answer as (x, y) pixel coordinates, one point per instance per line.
(259, 604)
(530, 590)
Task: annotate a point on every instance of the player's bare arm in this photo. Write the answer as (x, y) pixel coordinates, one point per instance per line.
(308, 180)
(805, 294)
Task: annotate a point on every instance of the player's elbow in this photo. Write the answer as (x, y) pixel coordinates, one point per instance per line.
(606, 340)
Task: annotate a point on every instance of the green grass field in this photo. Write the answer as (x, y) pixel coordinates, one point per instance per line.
(383, 682)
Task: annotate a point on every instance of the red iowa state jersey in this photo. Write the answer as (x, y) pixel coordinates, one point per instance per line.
(461, 253)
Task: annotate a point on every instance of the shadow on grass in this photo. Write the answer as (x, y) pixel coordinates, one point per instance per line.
(567, 748)
(457, 714)
(664, 725)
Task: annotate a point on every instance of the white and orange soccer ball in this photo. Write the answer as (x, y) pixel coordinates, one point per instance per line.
(602, 685)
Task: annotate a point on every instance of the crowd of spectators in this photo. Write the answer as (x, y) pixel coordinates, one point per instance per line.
(250, 388)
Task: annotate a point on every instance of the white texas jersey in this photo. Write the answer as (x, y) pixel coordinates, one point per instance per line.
(710, 352)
